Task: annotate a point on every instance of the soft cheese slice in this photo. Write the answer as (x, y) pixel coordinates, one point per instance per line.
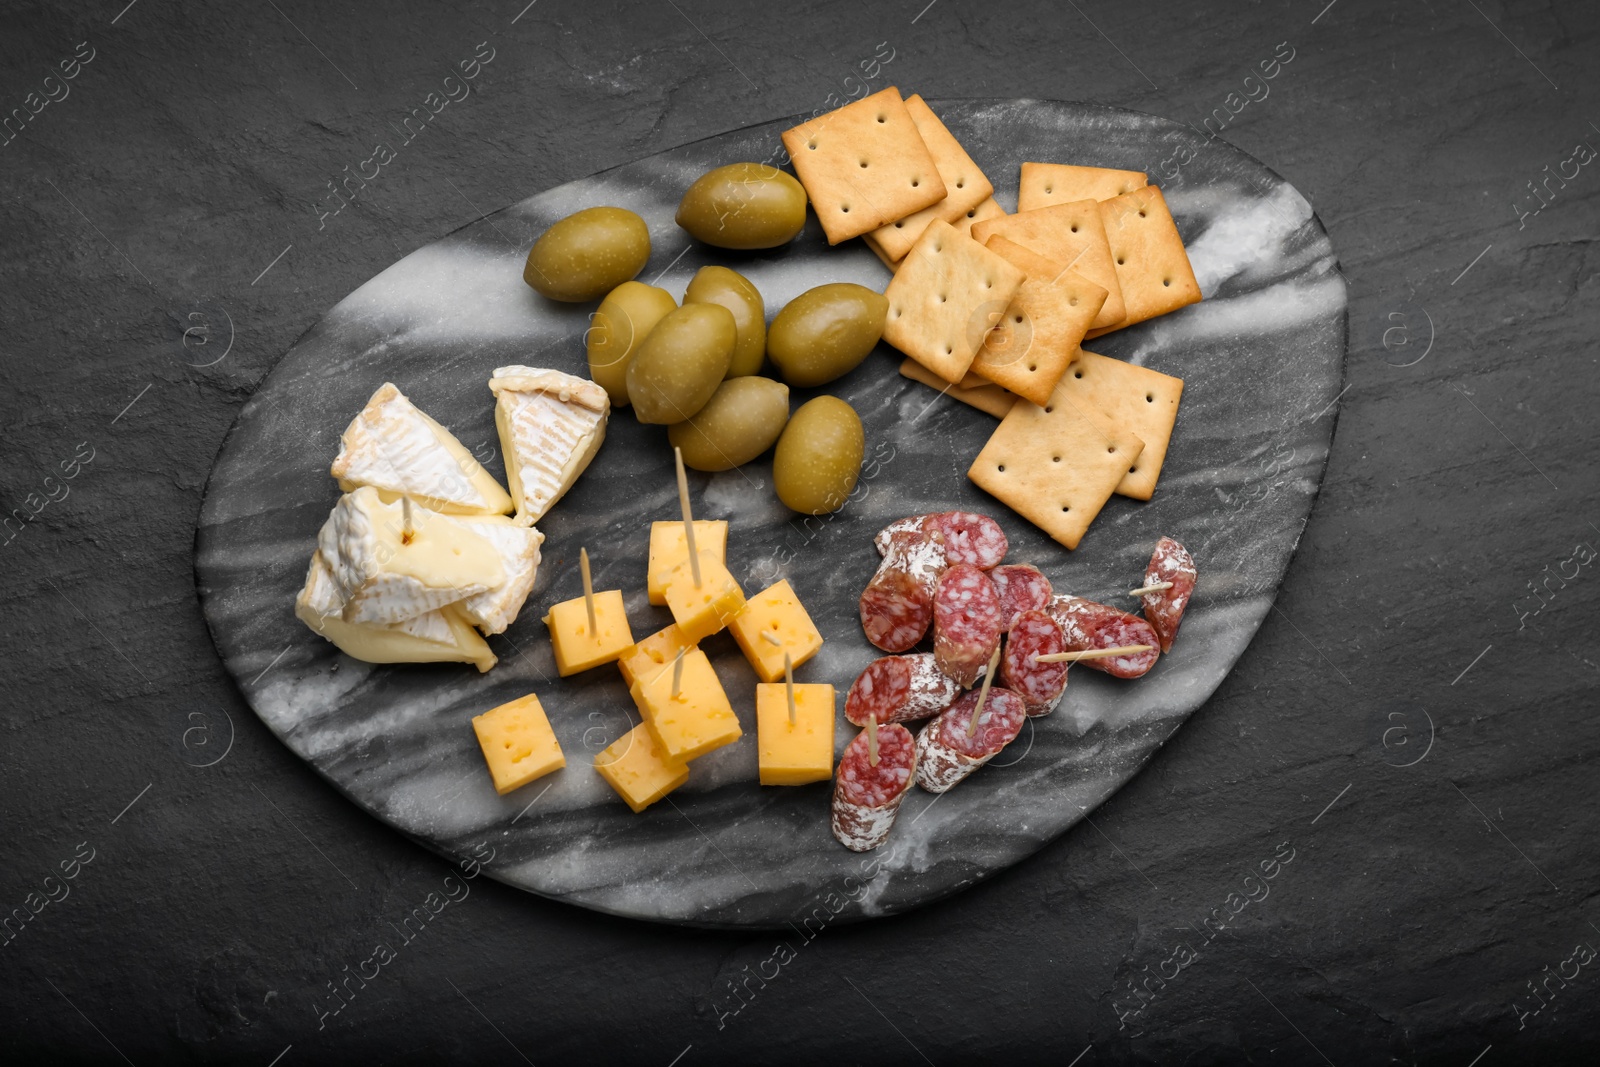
(551, 425)
(441, 636)
(387, 577)
(518, 547)
(395, 448)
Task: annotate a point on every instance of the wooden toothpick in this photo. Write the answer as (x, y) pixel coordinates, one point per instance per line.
(872, 740)
(588, 589)
(983, 694)
(677, 673)
(407, 529)
(1155, 587)
(688, 518)
(788, 684)
(771, 638)
(1091, 653)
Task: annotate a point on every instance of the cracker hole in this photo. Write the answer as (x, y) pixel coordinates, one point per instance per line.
(1111, 448)
(899, 224)
(1049, 189)
(1055, 459)
(845, 208)
(1077, 374)
(937, 247)
(812, 146)
(972, 214)
(1065, 508)
(881, 118)
(1133, 470)
(1120, 261)
(1031, 366)
(1149, 398)
(943, 297)
(1166, 281)
(1141, 214)
(948, 350)
(1049, 408)
(961, 185)
(1073, 301)
(914, 183)
(1017, 318)
(1074, 229)
(988, 285)
(863, 164)
(1002, 468)
(896, 312)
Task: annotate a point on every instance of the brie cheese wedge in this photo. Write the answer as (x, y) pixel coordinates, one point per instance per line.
(551, 425)
(441, 636)
(386, 576)
(518, 548)
(395, 448)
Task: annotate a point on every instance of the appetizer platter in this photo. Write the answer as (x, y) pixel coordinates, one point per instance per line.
(682, 535)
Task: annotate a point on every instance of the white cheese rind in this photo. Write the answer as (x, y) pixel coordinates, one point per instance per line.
(551, 425)
(494, 610)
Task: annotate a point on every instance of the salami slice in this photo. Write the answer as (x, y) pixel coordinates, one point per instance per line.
(866, 798)
(897, 605)
(1163, 609)
(909, 524)
(1040, 685)
(966, 622)
(1086, 624)
(946, 754)
(1022, 588)
(899, 689)
(969, 538)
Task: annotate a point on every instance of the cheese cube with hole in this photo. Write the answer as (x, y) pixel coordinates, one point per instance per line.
(668, 548)
(702, 610)
(518, 743)
(778, 612)
(577, 647)
(639, 769)
(694, 719)
(799, 753)
(644, 658)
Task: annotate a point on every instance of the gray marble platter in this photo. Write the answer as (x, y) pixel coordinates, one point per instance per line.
(1262, 357)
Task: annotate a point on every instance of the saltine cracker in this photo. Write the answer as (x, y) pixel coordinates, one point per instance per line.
(1043, 184)
(965, 185)
(1067, 233)
(1152, 267)
(1138, 399)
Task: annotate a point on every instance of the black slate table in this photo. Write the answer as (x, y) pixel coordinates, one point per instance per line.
(1406, 745)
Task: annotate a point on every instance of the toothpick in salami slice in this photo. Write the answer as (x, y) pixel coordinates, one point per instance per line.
(966, 622)
(1040, 685)
(1170, 563)
(946, 753)
(1088, 625)
(1022, 587)
(866, 798)
(969, 537)
(897, 605)
(899, 689)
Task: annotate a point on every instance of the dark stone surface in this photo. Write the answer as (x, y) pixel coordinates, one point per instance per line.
(1416, 908)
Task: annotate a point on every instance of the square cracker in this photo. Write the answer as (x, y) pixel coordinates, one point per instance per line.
(984, 396)
(864, 165)
(1038, 336)
(1137, 399)
(965, 186)
(1152, 266)
(1056, 465)
(1067, 233)
(989, 209)
(1044, 184)
(948, 293)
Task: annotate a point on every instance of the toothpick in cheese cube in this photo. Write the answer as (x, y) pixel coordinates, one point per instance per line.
(668, 548)
(518, 743)
(639, 769)
(778, 612)
(694, 720)
(576, 647)
(799, 753)
(704, 609)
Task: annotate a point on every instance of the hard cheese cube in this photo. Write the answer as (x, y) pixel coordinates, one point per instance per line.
(795, 755)
(518, 743)
(638, 768)
(576, 648)
(668, 548)
(645, 657)
(701, 610)
(776, 611)
(696, 720)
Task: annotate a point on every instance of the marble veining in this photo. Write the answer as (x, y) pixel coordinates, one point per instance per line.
(1262, 358)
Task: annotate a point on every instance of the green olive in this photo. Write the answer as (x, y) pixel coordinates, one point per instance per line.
(740, 421)
(825, 333)
(681, 363)
(744, 205)
(626, 316)
(819, 456)
(719, 285)
(586, 255)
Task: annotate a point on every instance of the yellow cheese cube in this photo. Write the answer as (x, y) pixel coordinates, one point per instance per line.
(702, 610)
(639, 770)
(696, 720)
(576, 648)
(657, 649)
(668, 548)
(795, 755)
(777, 611)
(518, 743)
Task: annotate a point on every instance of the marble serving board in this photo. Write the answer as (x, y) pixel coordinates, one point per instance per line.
(1262, 358)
